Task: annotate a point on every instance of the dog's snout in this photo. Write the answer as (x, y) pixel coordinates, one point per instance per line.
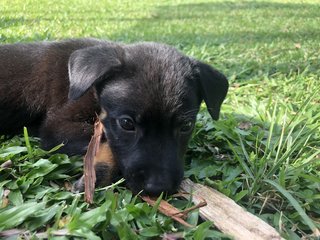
(154, 185)
(155, 189)
(152, 182)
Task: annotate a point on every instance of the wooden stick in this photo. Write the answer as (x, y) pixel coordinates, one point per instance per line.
(227, 216)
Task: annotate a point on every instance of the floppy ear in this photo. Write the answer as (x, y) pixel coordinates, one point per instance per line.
(87, 67)
(214, 87)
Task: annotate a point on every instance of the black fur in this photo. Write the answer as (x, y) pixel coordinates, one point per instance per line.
(58, 87)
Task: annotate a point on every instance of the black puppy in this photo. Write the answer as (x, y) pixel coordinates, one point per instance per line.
(147, 96)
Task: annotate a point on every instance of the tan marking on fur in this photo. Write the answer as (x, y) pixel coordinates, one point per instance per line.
(104, 155)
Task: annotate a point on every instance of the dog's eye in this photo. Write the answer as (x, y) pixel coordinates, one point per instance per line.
(186, 126)
(126, 124)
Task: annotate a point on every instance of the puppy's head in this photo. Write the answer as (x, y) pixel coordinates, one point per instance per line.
(151, 94)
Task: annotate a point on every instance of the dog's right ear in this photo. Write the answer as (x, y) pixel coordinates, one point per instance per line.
(87, 67)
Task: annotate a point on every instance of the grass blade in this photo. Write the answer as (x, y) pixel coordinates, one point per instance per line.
(244, 165)
(296, 205)
(26, 138)
(14, 216)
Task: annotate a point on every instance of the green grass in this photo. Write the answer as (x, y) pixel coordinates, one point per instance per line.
(264, 152)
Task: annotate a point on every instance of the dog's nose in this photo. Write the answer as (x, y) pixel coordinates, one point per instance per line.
(153, 182)
(155, 189)
(154, 186)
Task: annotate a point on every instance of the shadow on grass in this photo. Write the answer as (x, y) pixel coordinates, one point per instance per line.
(235, 22)
(211, 23)
(270, 30)
(209, 9)
(257, 38)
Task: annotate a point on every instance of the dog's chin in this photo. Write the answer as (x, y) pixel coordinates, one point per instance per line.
(152, 183)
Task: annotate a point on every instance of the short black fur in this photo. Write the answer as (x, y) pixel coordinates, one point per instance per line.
(150, 93)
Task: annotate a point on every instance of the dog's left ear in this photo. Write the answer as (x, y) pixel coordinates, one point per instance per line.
(88, 66)
(214, 87)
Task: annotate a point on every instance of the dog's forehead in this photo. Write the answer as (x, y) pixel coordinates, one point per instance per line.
(155, 77)
(158, 60)
(161, 71)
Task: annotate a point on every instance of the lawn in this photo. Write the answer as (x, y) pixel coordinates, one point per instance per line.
(264, 152)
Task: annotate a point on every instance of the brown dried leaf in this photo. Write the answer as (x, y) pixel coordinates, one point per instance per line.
(5, 202)
(11, 233)
(5, 199)
(173, 236)
(89, 171)
(6, 164)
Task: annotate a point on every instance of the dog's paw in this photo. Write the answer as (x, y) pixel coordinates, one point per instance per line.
(103, 174)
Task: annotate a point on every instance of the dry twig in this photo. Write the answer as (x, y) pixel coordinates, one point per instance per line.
(172, 212)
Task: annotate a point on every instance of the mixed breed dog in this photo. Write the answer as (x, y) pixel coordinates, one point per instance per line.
(147, 96)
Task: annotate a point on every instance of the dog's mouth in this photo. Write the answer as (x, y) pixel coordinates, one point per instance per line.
(139, 182)
(150, 190)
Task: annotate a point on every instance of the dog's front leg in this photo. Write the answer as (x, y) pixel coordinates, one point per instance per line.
(70, 124)
(74, 135)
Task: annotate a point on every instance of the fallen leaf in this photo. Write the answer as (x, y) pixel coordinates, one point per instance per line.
(6, 164)
(11, 232)
(5, 199)
(89, 171)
